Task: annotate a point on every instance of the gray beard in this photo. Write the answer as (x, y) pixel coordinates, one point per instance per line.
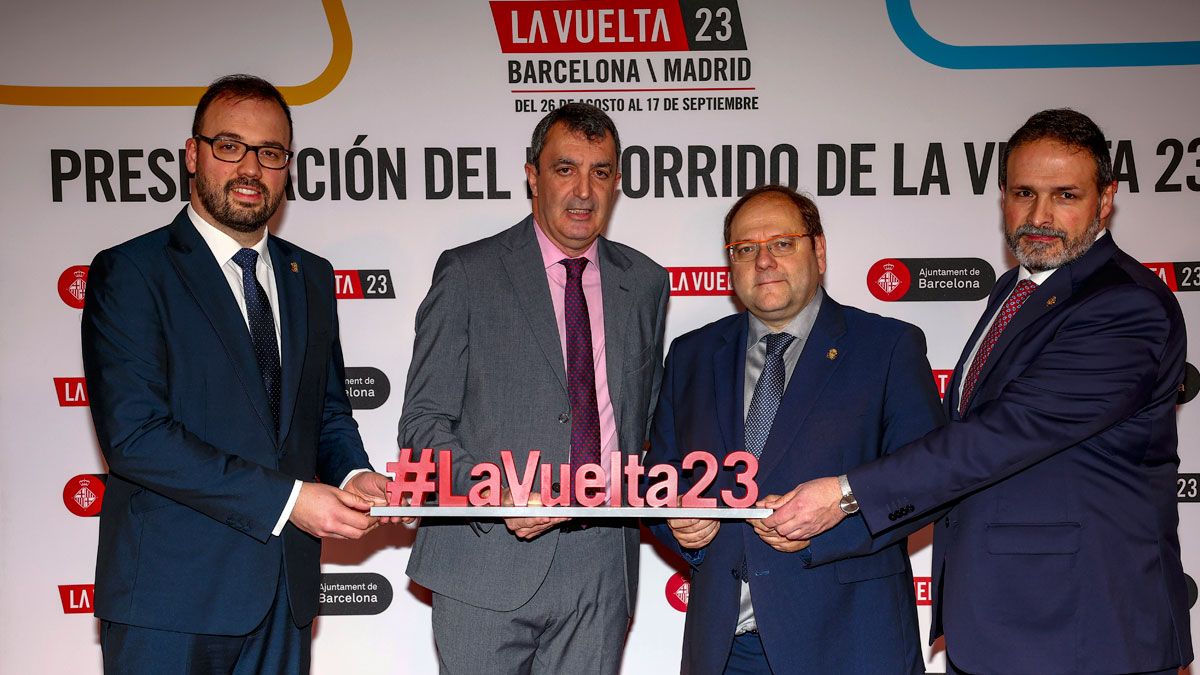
(1038, 257)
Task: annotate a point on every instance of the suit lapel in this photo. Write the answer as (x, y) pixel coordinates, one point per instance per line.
(293, 324)
(1049, 296)
(729, 373)
(1034, 308)
(615, 291)
(818, 362)
(198, 270)
(527, 273)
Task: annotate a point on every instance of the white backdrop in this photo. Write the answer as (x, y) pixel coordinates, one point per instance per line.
(96, 101)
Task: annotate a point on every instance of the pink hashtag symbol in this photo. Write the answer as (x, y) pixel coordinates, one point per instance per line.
(412, 478)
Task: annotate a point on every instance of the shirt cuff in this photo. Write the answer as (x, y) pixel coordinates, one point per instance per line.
(287, 508)
(350, 475)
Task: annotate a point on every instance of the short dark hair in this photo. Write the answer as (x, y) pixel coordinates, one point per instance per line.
(581, 118)
(1069, 127)
(808, 209)
(240, 87)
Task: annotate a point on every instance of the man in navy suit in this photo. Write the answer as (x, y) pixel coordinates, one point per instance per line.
(812, 388)
(1060, 551)
(215, 372)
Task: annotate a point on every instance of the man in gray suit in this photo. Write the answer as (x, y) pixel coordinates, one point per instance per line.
(545, 337)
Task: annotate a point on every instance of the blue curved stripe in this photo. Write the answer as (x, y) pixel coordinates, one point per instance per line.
(1118, 54)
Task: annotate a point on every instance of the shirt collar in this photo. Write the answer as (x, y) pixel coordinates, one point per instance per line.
(222, 245)
(1040, 277)
(800, 325)
(552, 254)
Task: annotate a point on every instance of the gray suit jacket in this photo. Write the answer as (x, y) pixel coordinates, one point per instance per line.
(488, 374)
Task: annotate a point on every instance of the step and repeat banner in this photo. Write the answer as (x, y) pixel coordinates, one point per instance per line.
(412, 121)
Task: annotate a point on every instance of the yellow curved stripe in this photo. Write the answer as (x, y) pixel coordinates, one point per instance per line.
(318, 88)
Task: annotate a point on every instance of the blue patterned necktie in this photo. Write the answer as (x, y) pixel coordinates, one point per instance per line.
(262, 328)
(581, 369)
(767, 393)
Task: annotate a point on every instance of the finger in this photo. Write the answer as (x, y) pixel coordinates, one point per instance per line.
(353, 501)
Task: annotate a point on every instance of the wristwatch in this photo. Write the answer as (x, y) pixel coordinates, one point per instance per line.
(848, 504)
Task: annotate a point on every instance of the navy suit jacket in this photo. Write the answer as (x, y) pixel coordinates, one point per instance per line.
(1061, 551)
(861, 388)
(197, 475)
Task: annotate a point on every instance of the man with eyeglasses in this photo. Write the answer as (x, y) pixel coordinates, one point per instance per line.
(216, 382)
(809, 387)
(1059, 548)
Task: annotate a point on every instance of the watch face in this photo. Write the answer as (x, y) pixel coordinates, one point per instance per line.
(849, 505)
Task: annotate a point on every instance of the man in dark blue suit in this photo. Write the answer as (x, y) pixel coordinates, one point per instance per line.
(215, 372)
(1060, 551)
(812, 388)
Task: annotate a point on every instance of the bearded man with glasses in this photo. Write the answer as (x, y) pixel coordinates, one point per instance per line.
(808, 386)
(215, 373)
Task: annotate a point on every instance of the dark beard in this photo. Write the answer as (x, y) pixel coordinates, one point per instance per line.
(221, 207)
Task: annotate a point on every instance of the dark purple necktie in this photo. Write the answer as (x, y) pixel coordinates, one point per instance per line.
(262, 329)
(581, 369)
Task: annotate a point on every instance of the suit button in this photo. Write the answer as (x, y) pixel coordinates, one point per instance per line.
(892, 516)
(563, 418)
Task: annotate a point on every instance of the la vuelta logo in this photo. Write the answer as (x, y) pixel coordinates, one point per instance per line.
(573, 26)
(700, 281)
(71, 391)
(363, 284)
(77, 598)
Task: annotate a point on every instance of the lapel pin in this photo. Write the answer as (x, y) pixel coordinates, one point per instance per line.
(831, 354)
(1053, 299)
(295, 267)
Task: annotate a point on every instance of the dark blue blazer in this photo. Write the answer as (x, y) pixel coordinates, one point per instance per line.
(1061, 551)
(861, 388)
(197, 476)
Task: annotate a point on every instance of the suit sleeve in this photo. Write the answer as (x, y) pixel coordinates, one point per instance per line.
(437, 376)
(340, 447)
(911, 409)
(1098, 369)
(125, 358)
(659, 331)
(664, 449)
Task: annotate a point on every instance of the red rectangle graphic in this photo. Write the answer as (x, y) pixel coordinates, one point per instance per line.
(941, 379)
(570, 26)
(924, 590)
(700, 281)
(71, 391)
(1166, 272)
(347, 284)
(77, 598)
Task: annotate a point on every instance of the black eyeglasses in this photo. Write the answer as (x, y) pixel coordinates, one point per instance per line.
(229, 150)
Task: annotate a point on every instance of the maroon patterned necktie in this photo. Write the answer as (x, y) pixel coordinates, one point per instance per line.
(1024, 289)
(581, 369)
